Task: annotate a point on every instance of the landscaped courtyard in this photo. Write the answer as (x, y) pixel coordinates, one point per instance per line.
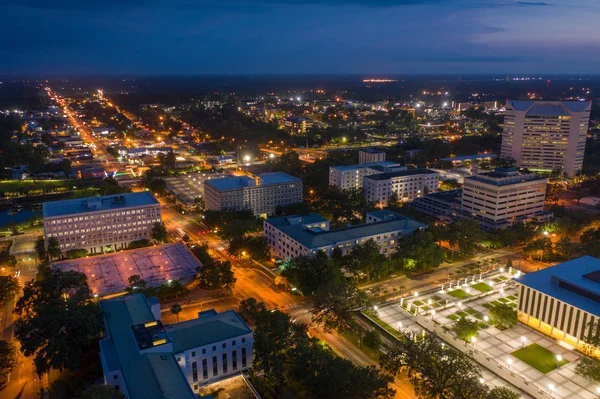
(539, 358)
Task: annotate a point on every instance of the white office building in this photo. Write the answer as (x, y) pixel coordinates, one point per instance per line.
(562, 301)
(347, 177)
(370, 155)
(292, 236)
(546, 135)
(262, 196)
(505, 196)
(146, 360)
(101, 223)
(405, 185)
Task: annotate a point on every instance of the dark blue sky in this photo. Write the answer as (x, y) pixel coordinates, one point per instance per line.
(299, 36)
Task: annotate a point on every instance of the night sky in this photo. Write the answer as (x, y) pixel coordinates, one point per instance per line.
(375, 37)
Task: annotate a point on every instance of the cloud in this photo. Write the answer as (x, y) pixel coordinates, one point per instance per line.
(474, 59)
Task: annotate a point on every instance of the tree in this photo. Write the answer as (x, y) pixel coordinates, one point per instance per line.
(185, 238)
(9, 359)
(201, 252)
(9, 287)
(159, 232)
(465, 329)
(589, 368)
(216, 276)
(176, 309)
(367, 259)
(502, 393)
(98, 391)
(372, 339)
(421, 249)
(54, 248)
(435, 370)
(40, 248)
(566, 248)
(308, 273)
(250, 310)
(76, 253)
(136, 283)
(58, 320)
(334, 302)
(465, 234)
(504, 316)
(253, 247)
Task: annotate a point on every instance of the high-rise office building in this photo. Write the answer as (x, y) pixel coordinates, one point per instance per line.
(262, 196)
(546, 135)
(103, 223)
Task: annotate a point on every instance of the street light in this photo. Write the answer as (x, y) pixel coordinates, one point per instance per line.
(551, 387)
(486, 318)
(481, 381)
(523, 339)
(375, 307)
(473, 340)
(509, 362)
(558, 360)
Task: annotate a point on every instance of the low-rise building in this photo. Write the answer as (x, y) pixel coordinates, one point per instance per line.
(347, 177)
(444, 205)
(505, 196)
(145, 359)
(100, 223)
(292, 236)
(370, 155)
(405, 185)
(562, 301)
(298, 124)
(262, 196)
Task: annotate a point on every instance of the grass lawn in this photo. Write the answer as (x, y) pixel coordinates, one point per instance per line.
(417, 303)
(383, 324)
(453, 317)
(471, 311)
(354, 340)
(462, 314)
(482, 287)
(503, 300)
(487, 305)
(538, 357)
(436, 298)
(512, 297)
(459, 294)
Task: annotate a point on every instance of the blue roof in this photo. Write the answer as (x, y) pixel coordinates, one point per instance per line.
(206, 329)
(469, 157)
(145, 374)
(572, 272)
(94, 204)
(231, 183)
(277, 178)
(318, 239)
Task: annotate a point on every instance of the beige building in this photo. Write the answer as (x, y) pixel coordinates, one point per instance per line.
(103, 223)
(262, 196)
(370, 155)
(499, 198)
(546, 135)
(405, 185)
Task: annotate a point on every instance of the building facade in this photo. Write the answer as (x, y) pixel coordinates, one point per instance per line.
(505, 196)
(262, 196)
(370, 155)
(546, 135)
(146, 360)
(562, 301)
(292, 236)
(346, 177)
(103, 223)
(405, 185)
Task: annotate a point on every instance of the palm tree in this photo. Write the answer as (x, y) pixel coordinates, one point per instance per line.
(175, 309)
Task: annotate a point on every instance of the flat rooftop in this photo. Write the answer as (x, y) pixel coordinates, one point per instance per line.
(238, 182)
(550, 108)
(108, 274)
(209, 327)
(409, 172)
(504, 177)
(277, 178)
(95, 204)
(318, 239)
(365, 165)
(578, 273)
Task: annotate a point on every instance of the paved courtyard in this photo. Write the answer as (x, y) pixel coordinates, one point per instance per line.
(472, 298)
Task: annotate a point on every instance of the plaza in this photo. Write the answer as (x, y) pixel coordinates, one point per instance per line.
(531, 361)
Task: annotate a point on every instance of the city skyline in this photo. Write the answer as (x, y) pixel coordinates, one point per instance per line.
(306, 37)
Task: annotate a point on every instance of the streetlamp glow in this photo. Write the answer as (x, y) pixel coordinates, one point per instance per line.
(509, 362)
(375, 307)
(523, 339)
(416, 294)
(486, 318)
(559, 359)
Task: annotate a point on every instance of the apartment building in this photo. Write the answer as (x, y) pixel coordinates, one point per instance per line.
(405, 185)
(506, 195)
(370, 155)
(98, 224)
(562, 301)
(145, 359)
(347, 177)
(262, 196)
(546, 135)
(292, 236)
